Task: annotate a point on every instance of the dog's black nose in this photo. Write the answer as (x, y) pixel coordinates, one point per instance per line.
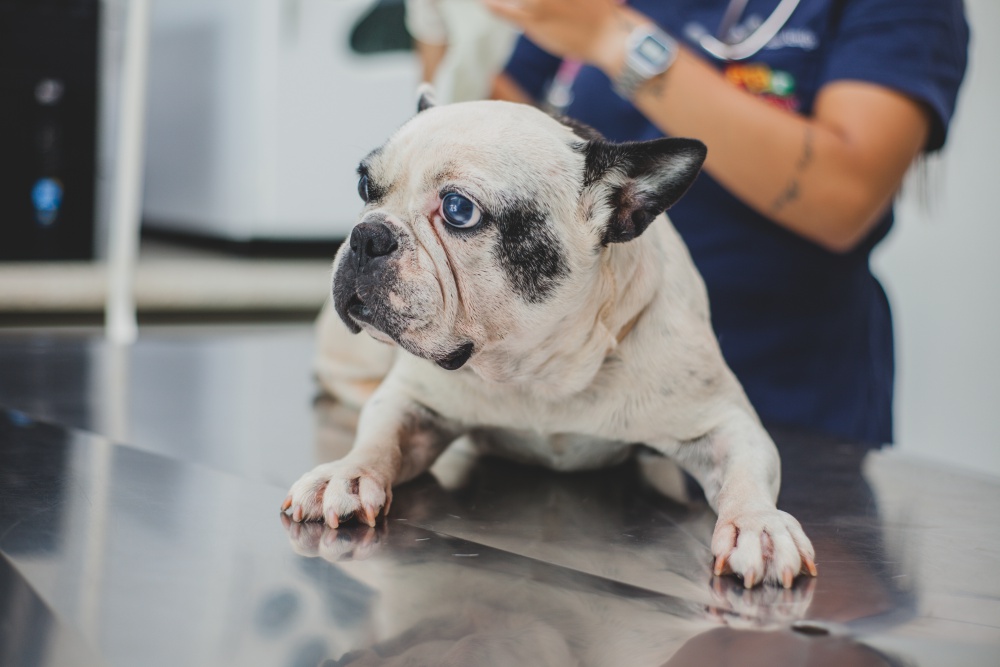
(370, 240)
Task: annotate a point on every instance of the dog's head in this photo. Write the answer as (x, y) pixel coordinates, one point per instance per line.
(485, 222)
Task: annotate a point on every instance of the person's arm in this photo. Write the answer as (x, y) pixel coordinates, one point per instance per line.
(504, 88)
(430, 35)
(828, 177)
(430, 57)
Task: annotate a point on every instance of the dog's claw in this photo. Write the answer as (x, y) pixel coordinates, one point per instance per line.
(338, 492)
(763, 547)
(286, 504)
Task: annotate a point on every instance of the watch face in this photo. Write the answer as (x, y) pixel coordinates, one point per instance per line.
(652, 50)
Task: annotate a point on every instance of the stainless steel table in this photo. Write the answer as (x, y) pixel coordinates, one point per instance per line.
(139, 525)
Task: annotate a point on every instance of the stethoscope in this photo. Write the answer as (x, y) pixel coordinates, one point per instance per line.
(560, 93)
(749, 45)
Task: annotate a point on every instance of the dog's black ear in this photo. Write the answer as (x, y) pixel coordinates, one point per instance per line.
(425, 97)
(642, 180)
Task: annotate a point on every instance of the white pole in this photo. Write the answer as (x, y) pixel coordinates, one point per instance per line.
(126, 199)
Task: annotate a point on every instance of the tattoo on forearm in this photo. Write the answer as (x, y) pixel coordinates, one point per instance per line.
(793, 190)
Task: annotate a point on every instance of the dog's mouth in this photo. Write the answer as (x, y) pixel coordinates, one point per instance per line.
(356, 312)
(357, 309)
(362, 313)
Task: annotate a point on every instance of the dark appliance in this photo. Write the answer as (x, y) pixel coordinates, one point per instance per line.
(48, 128)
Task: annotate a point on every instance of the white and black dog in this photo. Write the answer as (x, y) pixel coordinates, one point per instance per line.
(545, 305)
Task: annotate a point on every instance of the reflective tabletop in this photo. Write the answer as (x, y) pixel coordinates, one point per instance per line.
(139, 525)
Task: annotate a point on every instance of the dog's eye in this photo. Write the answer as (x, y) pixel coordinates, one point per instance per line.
(363, 187)
(459, 211)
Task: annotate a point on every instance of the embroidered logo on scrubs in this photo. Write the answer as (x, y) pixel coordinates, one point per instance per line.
(775, 86)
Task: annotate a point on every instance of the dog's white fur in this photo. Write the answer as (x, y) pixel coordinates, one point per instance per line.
(620, 351)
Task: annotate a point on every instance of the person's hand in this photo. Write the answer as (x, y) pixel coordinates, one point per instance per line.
(588, 30)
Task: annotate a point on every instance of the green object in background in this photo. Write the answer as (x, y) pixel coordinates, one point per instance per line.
(382, 29)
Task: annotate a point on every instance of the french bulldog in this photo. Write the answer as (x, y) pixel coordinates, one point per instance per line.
(543, 304)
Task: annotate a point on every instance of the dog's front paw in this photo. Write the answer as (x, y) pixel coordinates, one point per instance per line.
(338, 491)
(765, 545)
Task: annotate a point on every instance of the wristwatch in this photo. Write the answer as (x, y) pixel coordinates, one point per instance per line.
(649, 52)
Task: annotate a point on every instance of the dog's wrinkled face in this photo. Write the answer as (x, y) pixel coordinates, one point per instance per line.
(485, 220)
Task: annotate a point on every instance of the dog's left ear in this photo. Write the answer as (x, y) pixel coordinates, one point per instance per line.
(643, 179)
(425, 97)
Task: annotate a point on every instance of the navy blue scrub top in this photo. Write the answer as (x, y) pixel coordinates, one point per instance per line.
(808, 332)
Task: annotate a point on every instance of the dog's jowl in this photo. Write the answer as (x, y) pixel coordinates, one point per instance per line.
(526, 278)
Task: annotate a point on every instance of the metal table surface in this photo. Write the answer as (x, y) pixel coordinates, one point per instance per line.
(139, 525)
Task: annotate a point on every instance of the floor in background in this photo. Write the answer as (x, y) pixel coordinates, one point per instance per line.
(171, 277)
(139, 525)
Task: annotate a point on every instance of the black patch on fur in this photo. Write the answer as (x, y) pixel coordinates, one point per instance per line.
(656, 174)
(528, 251)
(600, 157)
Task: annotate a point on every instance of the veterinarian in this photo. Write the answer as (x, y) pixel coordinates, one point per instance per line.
(813, 111)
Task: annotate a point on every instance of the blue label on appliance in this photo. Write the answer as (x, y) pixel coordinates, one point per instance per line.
(47, 197)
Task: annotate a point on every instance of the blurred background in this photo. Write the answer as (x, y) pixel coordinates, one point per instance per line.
(256, 114)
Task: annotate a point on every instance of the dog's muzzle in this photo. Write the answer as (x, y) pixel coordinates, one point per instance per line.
(364, 278)
(362, 275)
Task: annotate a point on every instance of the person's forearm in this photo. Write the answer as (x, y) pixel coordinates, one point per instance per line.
(505, 89)
(828, 177)
(430, 56)
(794, 170)
(814, 176)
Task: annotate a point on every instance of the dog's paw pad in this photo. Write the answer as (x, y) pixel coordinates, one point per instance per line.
(338, 492)
(762, 546)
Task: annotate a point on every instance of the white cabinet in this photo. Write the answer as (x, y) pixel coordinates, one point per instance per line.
(258, 114)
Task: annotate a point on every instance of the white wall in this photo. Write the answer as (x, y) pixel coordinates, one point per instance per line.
(941, 268)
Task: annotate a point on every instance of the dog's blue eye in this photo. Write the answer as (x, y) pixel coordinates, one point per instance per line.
(363, 187)
(459, 211)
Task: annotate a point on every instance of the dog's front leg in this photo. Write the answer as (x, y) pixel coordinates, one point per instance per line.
(397, 439)
(738, 467)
